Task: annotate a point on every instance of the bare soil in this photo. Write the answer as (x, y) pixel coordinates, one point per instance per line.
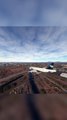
(16, 79)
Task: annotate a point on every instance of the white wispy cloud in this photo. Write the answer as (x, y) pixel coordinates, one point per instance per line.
(33, 44)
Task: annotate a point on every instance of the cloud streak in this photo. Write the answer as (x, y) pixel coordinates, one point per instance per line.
(33, 44)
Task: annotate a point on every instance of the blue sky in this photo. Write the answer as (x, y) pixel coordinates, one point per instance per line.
(33, 44)
(33, 12)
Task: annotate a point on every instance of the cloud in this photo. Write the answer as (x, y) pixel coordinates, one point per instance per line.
(33, 44)
(33, 13)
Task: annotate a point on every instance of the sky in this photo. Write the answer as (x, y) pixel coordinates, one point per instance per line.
(33, 44)
(24, 32)
(33, 12)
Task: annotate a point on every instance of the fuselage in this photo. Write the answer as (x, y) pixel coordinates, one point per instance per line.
(37, 69)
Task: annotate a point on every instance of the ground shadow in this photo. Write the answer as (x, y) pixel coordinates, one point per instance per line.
(32, 108)
(33, 85)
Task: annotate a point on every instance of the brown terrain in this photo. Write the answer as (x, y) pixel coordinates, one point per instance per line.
(33, 107)
(16, 79)
(40, 94)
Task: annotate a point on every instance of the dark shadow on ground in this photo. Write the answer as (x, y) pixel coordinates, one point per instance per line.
(32, 108)
(33, 85)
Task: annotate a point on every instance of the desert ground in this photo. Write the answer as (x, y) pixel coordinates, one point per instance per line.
(31, 96)
(33, 107)
(15, 78)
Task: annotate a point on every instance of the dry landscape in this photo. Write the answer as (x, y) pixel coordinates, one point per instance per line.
(33, 107)
(16, 79)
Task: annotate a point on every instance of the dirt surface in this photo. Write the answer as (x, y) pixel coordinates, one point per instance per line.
(10, 69)
(21, 81)
(33, 107)
(30, 96)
